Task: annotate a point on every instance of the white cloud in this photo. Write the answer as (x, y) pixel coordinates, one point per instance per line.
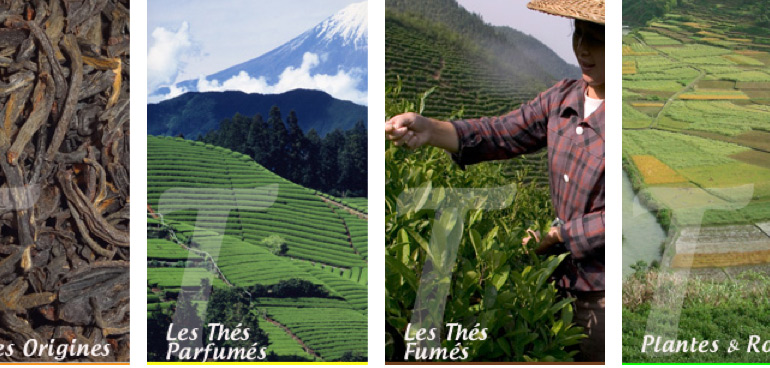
(341, 85)
(241, 82)
(167, 56)
(174, 91)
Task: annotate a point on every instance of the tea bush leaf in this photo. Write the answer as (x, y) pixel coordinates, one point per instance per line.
(495, 281)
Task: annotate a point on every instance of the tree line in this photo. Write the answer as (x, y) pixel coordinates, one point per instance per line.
(334, 164)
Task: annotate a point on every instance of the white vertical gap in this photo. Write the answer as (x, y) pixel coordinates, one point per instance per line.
(613, 182)
(376, 182)
(138, 181)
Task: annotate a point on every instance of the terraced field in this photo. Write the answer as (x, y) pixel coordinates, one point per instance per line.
(359, 203)
(464, 84)
(171, 268)
(423, 62)
(331, 332)
(168, 251)
(696, 123)
(165, 278)
(202, 197)
(214, 187)
(281, 344)
(243, 263)
(696, 91)
(358, 230)
(349, 284)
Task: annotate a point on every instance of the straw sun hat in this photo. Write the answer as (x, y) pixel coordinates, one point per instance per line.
(589, 10)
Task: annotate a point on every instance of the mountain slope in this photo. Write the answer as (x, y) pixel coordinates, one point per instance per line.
(276, 234)
(436, 45)
(523, 54)
(196, 113)
(217, 180)
(340, 42)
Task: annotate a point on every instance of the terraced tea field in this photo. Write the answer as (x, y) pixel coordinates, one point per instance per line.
(171, 268)
(282, 344)
(359, 203)
(330, 332)
(423, 61)
(163, 250)
(695, 129)
(464, 83)
(205, 214)
(212, 186)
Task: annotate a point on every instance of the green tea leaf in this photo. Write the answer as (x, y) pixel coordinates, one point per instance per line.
(395, 266)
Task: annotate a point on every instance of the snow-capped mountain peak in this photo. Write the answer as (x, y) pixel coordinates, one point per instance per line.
(350, 24)
(332, 56)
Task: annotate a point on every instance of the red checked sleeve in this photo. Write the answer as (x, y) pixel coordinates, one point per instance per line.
(583, 235)
(523, 130)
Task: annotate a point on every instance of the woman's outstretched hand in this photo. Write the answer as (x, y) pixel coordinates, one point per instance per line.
(413, 131)
(410, 130)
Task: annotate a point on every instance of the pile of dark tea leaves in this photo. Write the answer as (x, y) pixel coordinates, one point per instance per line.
(64, 179)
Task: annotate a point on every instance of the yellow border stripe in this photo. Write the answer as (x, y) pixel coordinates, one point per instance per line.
(257, 363)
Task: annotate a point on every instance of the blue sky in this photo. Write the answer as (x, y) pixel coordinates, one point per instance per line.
(188, 39)
(555, 32)
(195, 38)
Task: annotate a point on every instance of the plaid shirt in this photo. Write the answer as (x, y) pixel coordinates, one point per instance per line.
(576, 161)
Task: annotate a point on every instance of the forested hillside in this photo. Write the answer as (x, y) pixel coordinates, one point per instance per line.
(197, 113)
(335, 163)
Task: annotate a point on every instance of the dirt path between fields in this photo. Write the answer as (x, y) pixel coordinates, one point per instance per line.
(350, 238)
(674, 97)
(697, 79)
(293, 336)
(352, 211)
(437, 75)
